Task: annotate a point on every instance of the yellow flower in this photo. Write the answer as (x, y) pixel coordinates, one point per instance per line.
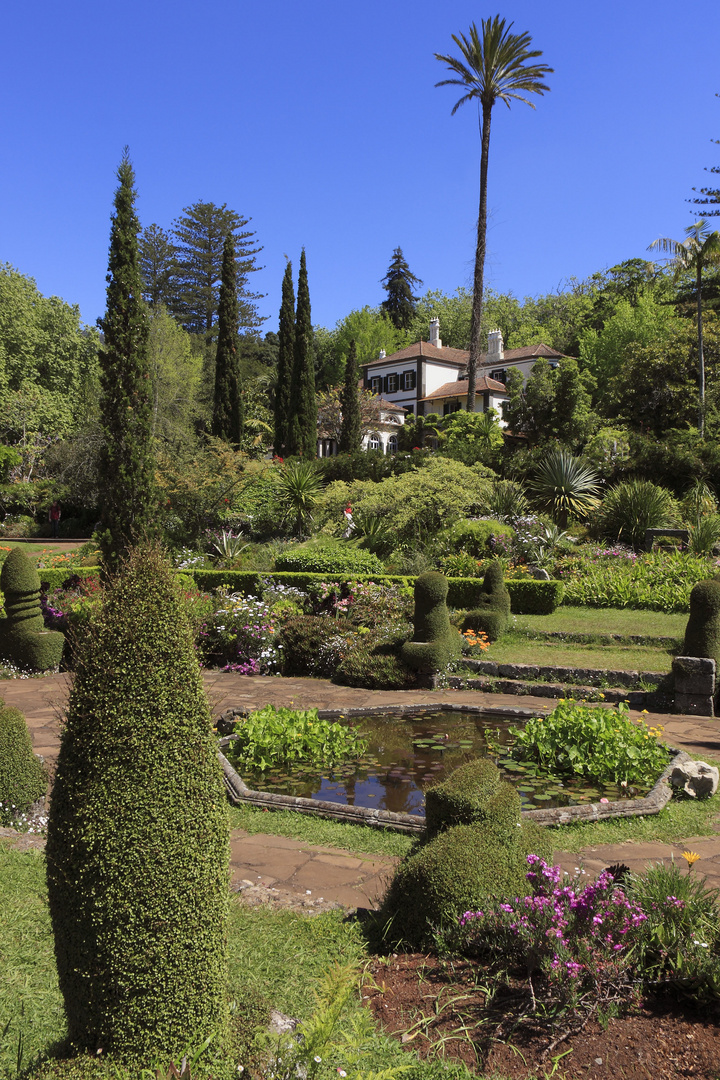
(690, 857)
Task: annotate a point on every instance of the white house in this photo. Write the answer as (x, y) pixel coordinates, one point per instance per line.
(380, 434)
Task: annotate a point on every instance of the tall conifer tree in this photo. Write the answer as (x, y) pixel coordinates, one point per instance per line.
(303, 426)
(285, 363)
(227, 405)
(350, 432)
(399, 283)
(127, 459)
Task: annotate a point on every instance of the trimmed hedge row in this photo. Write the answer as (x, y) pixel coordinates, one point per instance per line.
(529, 597)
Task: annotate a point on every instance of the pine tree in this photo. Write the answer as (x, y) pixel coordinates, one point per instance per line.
(157, 266)
(350, 433)
(398, 283)
(285, 362)
(302, 435)
(126, 470)
(710, 196)
(199, 234)
(227, 405)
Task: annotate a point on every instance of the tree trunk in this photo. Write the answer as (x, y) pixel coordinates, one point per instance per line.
(701, 357)
(478, 278)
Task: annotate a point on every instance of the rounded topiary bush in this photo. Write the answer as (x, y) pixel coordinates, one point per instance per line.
(330, 559)
(23, 779)
(459, 800)
(435, 642)
(23, 637)
(702, 634)
(492, 614)
(456, 872)
(137, 848)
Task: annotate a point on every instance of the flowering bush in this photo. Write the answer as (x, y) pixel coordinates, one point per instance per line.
(577, 933)
(475, 642)
(239, 635)
(70, 605)
(603, 745)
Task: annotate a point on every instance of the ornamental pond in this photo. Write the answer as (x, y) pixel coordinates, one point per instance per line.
(406, 753)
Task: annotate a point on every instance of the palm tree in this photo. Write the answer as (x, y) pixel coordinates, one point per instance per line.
(700, 248)
(493, 68)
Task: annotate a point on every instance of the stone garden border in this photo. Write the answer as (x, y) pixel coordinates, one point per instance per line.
(240, 793)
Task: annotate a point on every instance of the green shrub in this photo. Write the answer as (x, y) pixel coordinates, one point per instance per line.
(634, 506)
(330, 559)
(306, 644)
(23, 779)
(377, 667)
(23, 637)
(137, 848)
(530, 597)
(435, 642)
(457, 871)
(492, 614)
(459, 800)
(702, 634)
(658, 581)
(55, 577)
(476, 537)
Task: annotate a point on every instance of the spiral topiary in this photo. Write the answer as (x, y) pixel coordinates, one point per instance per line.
(492, 614)
(702, 634)
(137, 847)
(23, 779)
(435, 642)
(23, 637)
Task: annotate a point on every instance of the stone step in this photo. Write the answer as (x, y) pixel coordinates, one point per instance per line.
(577, 676)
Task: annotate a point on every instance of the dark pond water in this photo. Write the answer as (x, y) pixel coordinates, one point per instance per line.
(407, 753)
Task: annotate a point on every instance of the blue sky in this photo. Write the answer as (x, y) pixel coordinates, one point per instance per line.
(321, 122)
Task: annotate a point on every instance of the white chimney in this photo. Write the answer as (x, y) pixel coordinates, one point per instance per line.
(382, 354)
(435, 333)
(495, 352)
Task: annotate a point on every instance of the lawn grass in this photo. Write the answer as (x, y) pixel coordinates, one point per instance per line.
(585, 620)
(514, 648)
(316, 830)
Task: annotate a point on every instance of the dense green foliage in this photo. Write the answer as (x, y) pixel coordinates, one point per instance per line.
(435, 642)
(491, 614)
(340, 559)
(351, 431)
(23, 779)
(23, 638)
(702, 634)
(288, 737)
(137, 848)
(603, 745)
(634, 506)
(399, 283)
(126, 458)
(529, 597)
(227, 422)
(460, 799)
(285, 362)
(659, 581)
(302, 420)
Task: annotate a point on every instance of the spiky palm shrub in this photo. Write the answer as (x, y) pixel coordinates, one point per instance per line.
(705, 534)
(506, 500)
(297, 486)
(634, 506)
(565, 486)
(137, 847)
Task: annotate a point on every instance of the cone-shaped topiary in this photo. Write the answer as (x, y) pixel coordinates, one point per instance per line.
(702, 634)
(23, 637)
(461, 799)
(137, 847)
(492, 614)
(23, 779)
(435, 642)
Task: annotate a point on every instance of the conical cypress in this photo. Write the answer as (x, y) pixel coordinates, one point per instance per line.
(126, 459)
(227, 405)
(137, 847)
(304, 404)
(285, 364)
(350, 432)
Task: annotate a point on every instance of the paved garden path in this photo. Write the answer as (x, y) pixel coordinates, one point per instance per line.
(281, 870)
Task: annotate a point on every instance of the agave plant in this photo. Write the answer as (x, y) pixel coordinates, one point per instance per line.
(634, 506)
(371, 532)
(565, 485)
(297, 487)
(227, 544)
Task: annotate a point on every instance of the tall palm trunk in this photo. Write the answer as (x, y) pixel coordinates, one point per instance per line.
(479, 275)
(701, 357)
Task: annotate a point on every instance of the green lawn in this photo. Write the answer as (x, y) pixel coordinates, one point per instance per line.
(514, 648)
(584, 620)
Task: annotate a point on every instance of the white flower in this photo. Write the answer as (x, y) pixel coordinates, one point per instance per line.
(317, 1058)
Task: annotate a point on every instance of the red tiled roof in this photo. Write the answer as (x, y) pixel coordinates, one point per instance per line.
(424, 348)
(527, 352)
(459, 387)
(389, 406)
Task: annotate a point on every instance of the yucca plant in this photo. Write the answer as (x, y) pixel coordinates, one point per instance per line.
(506, 500)
(634, 506)
(698, 501)
(705, 534)
(565, 485)
(297, 486)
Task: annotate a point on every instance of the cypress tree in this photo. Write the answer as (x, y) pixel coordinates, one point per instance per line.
(285, 362)
(350, 432)
(303, 426)
(127, 459)
(137, 847)
(227, 422)
(398, 283)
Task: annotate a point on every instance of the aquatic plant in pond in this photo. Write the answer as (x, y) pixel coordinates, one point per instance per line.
(600, 744)
(286, 737)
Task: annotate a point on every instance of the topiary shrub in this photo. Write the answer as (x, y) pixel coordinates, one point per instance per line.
(23, 637)
(330, 559)
(435, 642)
(702, 634)
(456, 872)
(492, 614)
(137, 847)
(529, 597)
(459, 799)
(23, 779)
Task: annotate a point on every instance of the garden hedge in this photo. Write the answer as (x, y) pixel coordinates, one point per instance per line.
(530, 597)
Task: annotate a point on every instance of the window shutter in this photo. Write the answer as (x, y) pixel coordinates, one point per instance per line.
(385, 384)
(413, 380)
